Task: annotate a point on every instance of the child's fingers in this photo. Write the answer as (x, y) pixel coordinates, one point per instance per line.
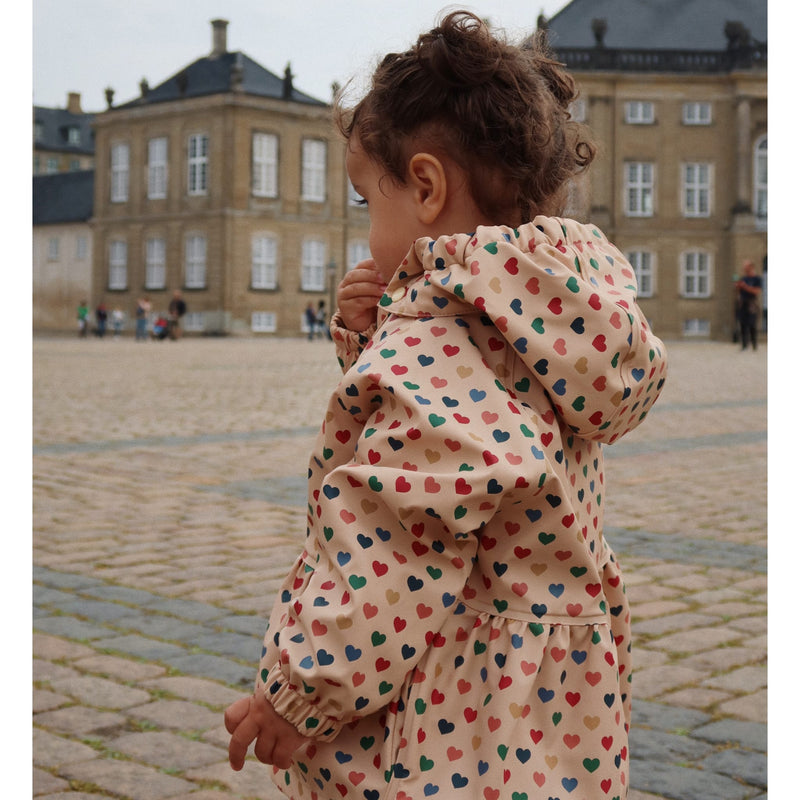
(235, 713)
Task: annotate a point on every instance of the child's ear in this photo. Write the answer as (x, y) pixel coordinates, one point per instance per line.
(427, 177)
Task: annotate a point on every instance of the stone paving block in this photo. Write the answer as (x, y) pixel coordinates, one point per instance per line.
(744, 679)
(751, 768)
(126, 778)
(223, 669)
(97, 610)
(684, 783)
(140, 647)
(752, 735)
(100, 693)
(176, 715)
(671, 623)
(122, 594)
(70, 628)
(751, 707)
(167, 750)
(123, 669)
(724, 658)
(655, 681)
(50, 750)
(236, 645)
(696, 697)
(656, 608)
(196, 690)
(46, 671)
(45, 783)
(162, 626)
(697, 640)
(244, 623)
(666, 718)
(63, 580)
(79, 722)
(56, 648)
(187, 609)
(656, 745)
(251, 781)
(44, 700)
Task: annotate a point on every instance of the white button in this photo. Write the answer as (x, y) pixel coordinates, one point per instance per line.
(399, 294)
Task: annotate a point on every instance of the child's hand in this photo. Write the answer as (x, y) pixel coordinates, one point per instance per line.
(358, 295)
(253, 718)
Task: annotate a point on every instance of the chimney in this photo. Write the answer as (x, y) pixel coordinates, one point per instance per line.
(74, 102)
(219, 41)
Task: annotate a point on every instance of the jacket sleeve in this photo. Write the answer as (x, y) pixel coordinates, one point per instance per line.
(398, 530)
(349, 344)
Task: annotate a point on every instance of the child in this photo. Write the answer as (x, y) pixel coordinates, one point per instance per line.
(457, 625)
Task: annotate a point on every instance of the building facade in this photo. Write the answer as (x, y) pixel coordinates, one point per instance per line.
(228, 184)
(676, 97)
(63, 139)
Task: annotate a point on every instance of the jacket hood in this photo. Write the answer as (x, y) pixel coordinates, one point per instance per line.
(563, 297)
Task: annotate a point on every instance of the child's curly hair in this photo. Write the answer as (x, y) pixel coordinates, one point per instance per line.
(500, 111)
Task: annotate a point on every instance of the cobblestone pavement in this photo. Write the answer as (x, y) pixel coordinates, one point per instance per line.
(168, 502)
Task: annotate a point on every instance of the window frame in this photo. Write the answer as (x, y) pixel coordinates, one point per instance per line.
(697, 192)
(313, 271)
(698, 273)
(760, 184)
(314, 167)
(155, 263)
(692, 113)
(640, 112)
(120, 172)
(117, 265)
(643, 263)
(265, 164)
(157, 167)
(264, 261)
(643, 189)
(195, 261)
(270, 324)
(197, 159)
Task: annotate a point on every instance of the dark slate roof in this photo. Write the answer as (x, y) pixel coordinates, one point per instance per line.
(216, 75)
(657, 24)
(63, 197)
(54, 124)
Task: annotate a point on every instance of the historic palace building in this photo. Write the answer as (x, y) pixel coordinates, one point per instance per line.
(675, 94)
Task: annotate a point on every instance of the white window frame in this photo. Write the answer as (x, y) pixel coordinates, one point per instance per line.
(696, 328)
(697, 184)
(314, 170)
(264, 261)
(640, 112)
(195, 265)
(696, 274)
(157, 152)
(263, 322)
(197, 164)
(51, 165)
(577, 110)
(760, 176)
(357, 250)
(53, 247)
(117, 264)
(639, 187)
(155, 263)
(120, 171)
(81, 248)
(73, 135)
(194, 321)
(697, 112)
(312, 267)
(265, 164)
(644, 267)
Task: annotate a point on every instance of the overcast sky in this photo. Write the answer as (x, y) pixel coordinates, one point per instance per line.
(87, 45)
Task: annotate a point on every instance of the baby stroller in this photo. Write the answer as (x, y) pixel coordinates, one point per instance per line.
(160, 327)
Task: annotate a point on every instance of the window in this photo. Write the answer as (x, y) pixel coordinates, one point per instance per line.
(314, 154)
(312, 277)
(642, 263)
(265, 165)
(195, 265)
(120, 168)
(38, 131)
(157, 168)
(696, 328)
(697, 113)
(696, 274)
(263, 322)
(118, 265)
(73, 135)
(74, 164)
(264, 262)
(194, 321)
(155, 263)
(52, 248)
(640, 112)
(697, 190)
(760, 179)
(198, 164)
(357, 251)
(81, 248)
(577, 110)
(52, 165)
(639, 179)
